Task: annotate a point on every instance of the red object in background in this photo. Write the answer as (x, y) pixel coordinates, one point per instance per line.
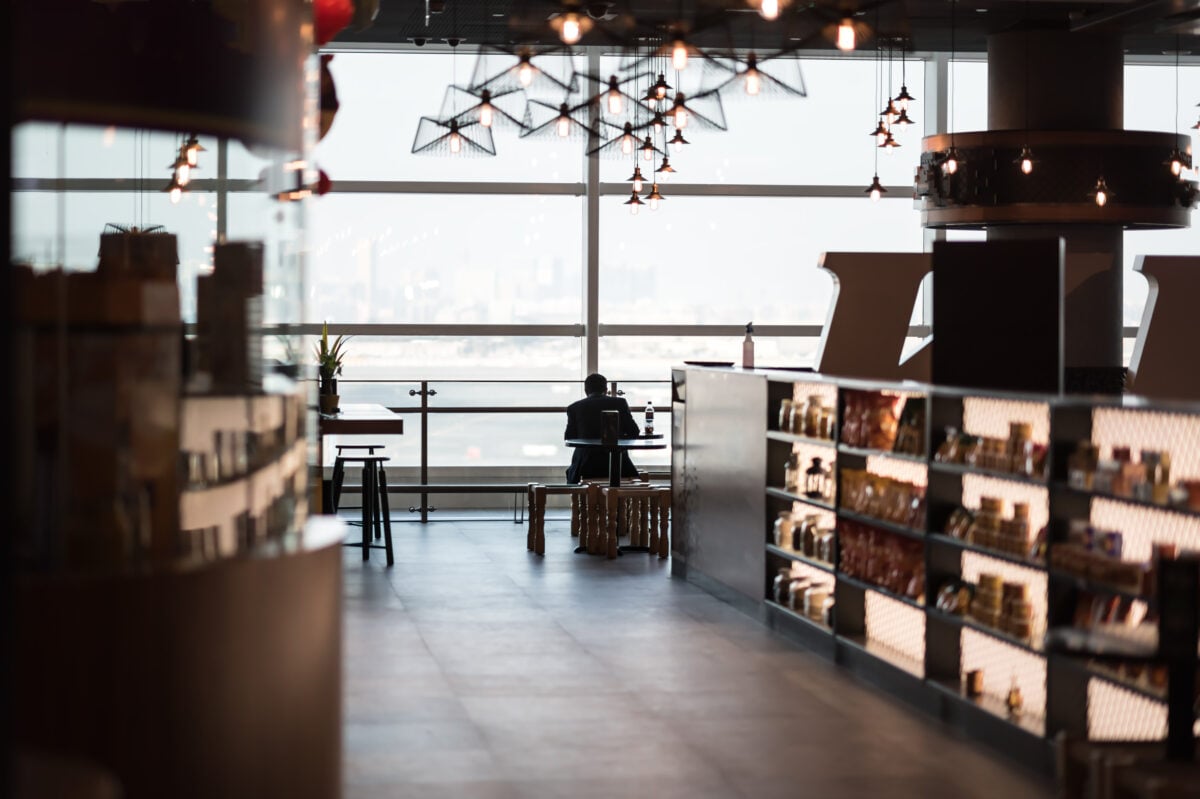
(324, 184)
(329, 98)
(329, 17)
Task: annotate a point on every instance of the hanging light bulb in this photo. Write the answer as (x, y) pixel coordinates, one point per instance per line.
(525, 72)
(571, 26)
(486, 110)
(880, 133)
(665, 169)
(769, 9)
(634, 202)
(889, 144)
(455, 142)
(636, 178)
(678, 142)
(904, 98)
(875, 190)
(654, 197)
(679, 55)
(661, 87)
(903, 120)
(845, 35)
(1101, 193)
(659, 122)
(890, 112)
(1025, 160)
(193, 149)
(679, 111)
(563, 125)
(647, 150)
(1175, 164)
(174, 190)
(753, 81)
(615, 101)
(183, 172)
(627, 140)
(950, 165)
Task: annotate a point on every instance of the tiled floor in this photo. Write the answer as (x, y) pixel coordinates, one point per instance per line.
(476, 669)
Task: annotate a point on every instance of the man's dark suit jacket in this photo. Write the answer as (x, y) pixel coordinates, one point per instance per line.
(583, 421)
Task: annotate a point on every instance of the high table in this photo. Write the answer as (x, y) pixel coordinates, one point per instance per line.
(354, 419)
(614, 449)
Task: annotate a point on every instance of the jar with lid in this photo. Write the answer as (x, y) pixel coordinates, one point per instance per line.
(815, 480)
(791, 472)
(814, 601)
(825, 546)
(783, 529)
(804, 534)
(812, 416)
(826, 430)
(779, 587)
(785, 416)
(796, 591)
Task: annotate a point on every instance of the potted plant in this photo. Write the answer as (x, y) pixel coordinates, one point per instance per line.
(329, 366)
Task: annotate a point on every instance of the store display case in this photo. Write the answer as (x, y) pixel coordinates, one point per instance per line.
(958, 528)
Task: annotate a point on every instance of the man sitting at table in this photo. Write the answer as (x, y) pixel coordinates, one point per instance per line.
(584, 421)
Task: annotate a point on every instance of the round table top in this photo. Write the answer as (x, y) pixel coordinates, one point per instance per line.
(638, 442)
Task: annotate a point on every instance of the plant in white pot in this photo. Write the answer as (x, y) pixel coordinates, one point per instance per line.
(329, 366)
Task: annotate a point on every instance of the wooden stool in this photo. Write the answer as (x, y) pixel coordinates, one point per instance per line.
(646, 517)
(535, 537)
(376, 515)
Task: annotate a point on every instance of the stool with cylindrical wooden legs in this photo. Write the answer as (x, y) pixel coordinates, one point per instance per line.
(646, 517)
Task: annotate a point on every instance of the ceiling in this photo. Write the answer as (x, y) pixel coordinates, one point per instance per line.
(1147, 26)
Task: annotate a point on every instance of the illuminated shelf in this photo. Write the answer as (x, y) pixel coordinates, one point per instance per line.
(786, 611)
(800, 558)
(777, 435)
(1029, 721)
(999, 635)
(880, 524)
(1139, 687)
(862, 585)
(888, 655)
(961, 469)
(958, 543)
(1141, 503)
(779, 493)
(865, 452)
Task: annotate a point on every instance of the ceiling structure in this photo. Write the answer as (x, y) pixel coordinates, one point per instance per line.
(1148, 27)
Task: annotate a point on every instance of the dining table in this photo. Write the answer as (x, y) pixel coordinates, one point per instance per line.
(615, 447)
(354, 419)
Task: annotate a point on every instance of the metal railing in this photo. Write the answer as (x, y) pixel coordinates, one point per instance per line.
(426, 390)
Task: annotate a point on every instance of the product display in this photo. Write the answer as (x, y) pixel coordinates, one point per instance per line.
(817, 481)
(870, 420)
(986, 526)
(1146, 480)
(883, 498)
(910, 434)
(883, 559)
(810, 417)
(1094, 554)
(993, 602)
(1018, 454)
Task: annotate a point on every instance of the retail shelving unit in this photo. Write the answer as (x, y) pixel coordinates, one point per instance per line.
(901, 640)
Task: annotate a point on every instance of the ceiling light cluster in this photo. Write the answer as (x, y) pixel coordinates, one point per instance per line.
(893, 119)
(186, 162)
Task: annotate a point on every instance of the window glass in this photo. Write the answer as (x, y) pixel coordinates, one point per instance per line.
(453, 259)
(38, 238)
(93, 151)
(382, 369)
(819, 139)
(381, 98)
(968, 96)
(651, 357)
(709, 260)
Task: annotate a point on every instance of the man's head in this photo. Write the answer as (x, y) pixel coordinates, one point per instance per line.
(595, 384)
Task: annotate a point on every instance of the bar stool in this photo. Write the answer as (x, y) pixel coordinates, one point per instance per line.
(339, 470)
(535, 539)
(376, 515)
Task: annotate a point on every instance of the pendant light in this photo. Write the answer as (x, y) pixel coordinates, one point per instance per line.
(1025, 159)
(876, 189)
(1175, 161)
(627, 140)
(1101, 194)
(614, 99)
(634, 202)
(904, 98)
(454, 136)
(769, 9)
(678, 142)
(174, 189)
(654, 197)
(665, 169)
(571, 24)
(636, 179)
(679, 55)
(193, 150)
(952, 160)
(846, 37)
(648, 149)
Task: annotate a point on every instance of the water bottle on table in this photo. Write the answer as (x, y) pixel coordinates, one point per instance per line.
(648, 428)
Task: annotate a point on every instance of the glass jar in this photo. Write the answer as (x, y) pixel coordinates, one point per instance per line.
(783, 529)
(812, 416)
(779, 587)
(815, 480)
(825, 546)
(814, 601)
(791, 473)
(803, 533)
(785, 416)
(826, 429)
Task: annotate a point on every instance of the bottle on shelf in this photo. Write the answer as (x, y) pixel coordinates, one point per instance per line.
(748, 347)
(649, 426)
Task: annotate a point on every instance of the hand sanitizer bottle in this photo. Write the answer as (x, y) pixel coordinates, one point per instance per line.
(748, 347)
